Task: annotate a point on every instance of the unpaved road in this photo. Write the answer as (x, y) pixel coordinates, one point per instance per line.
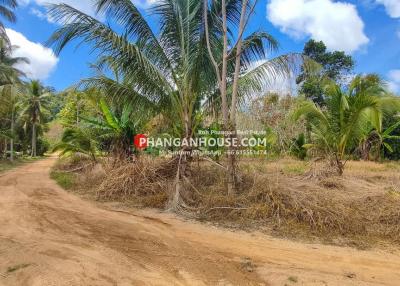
(50, 237)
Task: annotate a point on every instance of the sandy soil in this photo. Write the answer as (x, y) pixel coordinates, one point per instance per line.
(50, 237)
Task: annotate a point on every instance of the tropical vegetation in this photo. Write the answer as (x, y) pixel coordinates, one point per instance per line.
(203, 69)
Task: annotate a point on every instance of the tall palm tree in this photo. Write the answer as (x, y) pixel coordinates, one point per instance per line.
(33, 103)
(7, 8)
(10, 85)
(349, 115)
(9, 96)
(170, 71)
(9, 74)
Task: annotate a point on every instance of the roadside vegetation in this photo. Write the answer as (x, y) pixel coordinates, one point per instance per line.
(328, 167)
(6, 165)
(26, 106)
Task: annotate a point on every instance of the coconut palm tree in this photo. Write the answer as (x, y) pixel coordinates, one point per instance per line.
(33, 103)
(10, 85)
(348, 116)
(7, 8)
(76, 140)
(169, 71)
(9, 74)
(9, 97)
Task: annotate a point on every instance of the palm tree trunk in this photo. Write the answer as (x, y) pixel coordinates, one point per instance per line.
(231, 170)
(176, 202)
(33, 154)
(232, 166)
(5, 148)
(12, 136)
(228, 119)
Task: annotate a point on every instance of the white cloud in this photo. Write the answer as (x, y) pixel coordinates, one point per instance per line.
(38, 13)
(337, 24)
(395, 75)
(394, 80)
(85, 6)
(42, 59)
(392, 7)
(144, 3)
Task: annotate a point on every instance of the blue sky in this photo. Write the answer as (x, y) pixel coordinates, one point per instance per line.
(369, 30)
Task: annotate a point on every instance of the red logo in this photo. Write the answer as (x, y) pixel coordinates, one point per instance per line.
(140, 141)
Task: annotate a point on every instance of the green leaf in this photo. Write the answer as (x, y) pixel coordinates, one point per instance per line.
(390, 149)
(109, 116)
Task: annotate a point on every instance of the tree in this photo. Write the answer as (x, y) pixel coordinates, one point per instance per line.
(273, 111)
(118, 126)
(33, 103)
(76, 140)
(75, 104)
(392, 129)
(349, 115)
(8, 73)
(233, 59)
(335, 65)
(9, 95)
(9, 86)
(169, 72)
(6, 11)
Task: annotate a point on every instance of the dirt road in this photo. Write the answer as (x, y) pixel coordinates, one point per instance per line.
(50, 237)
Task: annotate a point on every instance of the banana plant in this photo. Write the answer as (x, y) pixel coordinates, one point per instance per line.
(117, 127)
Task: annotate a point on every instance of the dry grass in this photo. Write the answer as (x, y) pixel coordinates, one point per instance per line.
(361, 206)
(145, 180)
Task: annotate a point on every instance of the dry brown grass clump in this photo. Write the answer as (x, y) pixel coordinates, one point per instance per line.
(334, 207)
(146, 180)
(73, 163)
(277, 199)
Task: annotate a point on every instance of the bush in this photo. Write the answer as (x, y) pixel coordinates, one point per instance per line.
(42, 146)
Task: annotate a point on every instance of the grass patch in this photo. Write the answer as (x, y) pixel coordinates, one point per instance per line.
(294, 169)
(63, 179)
(6, 165)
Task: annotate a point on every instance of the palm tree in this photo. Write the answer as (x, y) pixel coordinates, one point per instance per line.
(6, 11)
(9, 96)
(10, 85)
(33, 103)
(8, 73)
(76, 140)
(170, 72)
(348, 116)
